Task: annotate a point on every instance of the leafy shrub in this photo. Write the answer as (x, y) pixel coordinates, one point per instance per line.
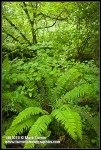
(42, 83)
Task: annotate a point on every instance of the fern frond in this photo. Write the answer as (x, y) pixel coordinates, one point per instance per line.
(67, 77)
(93, 121)
(77, 118)
(3, 141)
(19, 128)
(38, 128)
(27, 113)
(71, 121)
(79, 91)
(85, 142)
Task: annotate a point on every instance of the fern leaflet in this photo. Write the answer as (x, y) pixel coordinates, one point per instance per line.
(19, 128)
(71, 121)
(79, 91)
(39, 127)
(27, 113)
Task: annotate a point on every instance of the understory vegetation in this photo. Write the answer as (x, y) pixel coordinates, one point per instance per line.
(50, 74)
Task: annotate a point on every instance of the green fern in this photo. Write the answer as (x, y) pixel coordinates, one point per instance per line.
(38, 128)
(27, 113)
(16, 102)
(65, 81)
(85, 142)
(4, 141)
(22, 122)
(70, 119)
(93, 121)
(18, 128)
(80, 91)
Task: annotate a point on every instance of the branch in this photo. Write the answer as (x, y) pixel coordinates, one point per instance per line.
(46, 26)
(50, 25)
(12, 24)
(43, 48)
(14, 38)
(31, 22)
(60, 19)
(26, 11)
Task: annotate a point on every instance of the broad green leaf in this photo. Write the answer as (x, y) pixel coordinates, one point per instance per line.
(30, 94)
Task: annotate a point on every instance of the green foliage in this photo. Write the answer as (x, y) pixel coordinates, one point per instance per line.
(90, 121)
(19, 128)
(79, 92)
(53, 87)
(50, 71)
(23, 121)
(38, 128)
(73, 29)
(26, 113)
(69, 119)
